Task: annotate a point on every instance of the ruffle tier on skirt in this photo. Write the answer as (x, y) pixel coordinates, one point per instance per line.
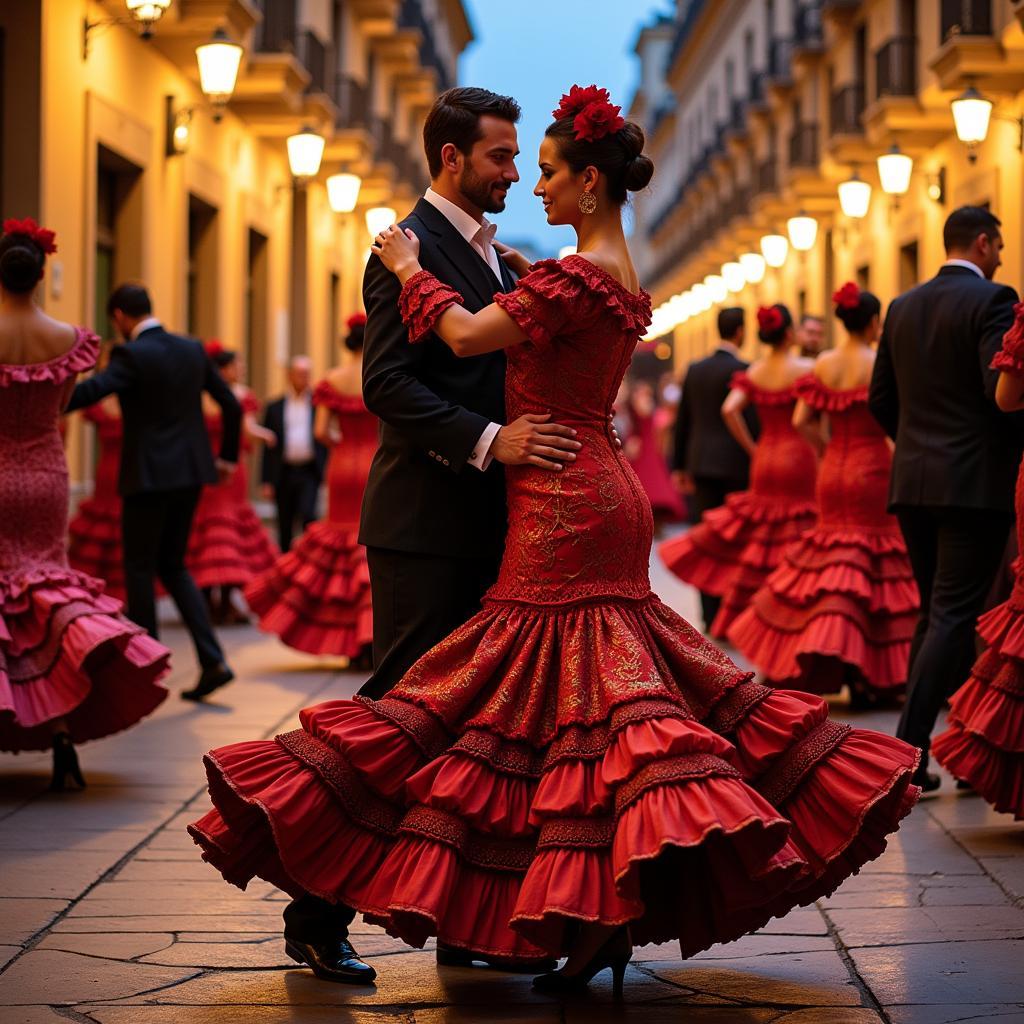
(734, 548)
(984, 744)
(228, 546)
(316, 597)
(94, 546)
(66, 651)
(543, 766)
(841, 600)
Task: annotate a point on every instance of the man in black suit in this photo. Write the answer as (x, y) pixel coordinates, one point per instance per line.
(956, 458)
(159, 379)
(707, 461)
(434, 515)
(293, 468)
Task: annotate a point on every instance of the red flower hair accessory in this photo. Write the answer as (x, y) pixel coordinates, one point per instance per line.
(214, 347)
(355, 320)
(43, 237)
(594, 115)
(848, 297)
(769, 319)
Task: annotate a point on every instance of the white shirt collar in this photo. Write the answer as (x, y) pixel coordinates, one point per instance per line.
(465, 223)
(965, 263)
(144, 325)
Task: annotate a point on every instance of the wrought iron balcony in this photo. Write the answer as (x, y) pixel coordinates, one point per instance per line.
(278, 31)
(767, 176)
(353, 102)
(410, 15)
(846, 110)
(803, 146)
(780, 61)
(896, 67)
(684, 29)
(314, 56)
(807, 30)
(965, 17)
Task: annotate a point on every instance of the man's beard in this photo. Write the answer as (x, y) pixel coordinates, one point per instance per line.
(479, 193)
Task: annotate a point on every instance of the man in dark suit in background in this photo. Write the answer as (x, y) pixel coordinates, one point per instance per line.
(159, 379)
(956, 456)
(707, 461)
(293, 468)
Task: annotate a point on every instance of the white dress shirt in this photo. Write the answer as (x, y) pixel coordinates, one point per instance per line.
(144, 325)
(965, 263)
(298, 429)
(480, 235)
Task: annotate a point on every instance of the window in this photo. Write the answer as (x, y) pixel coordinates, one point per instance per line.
(202, 268)
(256, 332)
(908, 266)
(118, 254)
(863, 275)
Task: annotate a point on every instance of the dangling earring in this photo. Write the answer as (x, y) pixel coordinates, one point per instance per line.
(587, 202)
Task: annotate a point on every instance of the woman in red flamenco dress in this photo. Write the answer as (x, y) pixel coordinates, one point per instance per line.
(72, 667)
(732, 550)
(94, 544)
(228, 545)
(984, 743)
(842, 605)
(316, 597)
(646, 456)
(575, 770)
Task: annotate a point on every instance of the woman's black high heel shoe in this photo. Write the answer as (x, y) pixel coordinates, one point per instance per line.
(615, 953)
(65, 764)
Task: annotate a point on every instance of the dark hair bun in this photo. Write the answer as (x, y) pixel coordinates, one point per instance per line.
(774, 333)
(21, 265)
(639, 172)
(857, 318)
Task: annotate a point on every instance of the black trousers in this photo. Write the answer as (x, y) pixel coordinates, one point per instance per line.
(155, 528)
(711, 493)
(295, 496)
(955, 554)
(417, 601)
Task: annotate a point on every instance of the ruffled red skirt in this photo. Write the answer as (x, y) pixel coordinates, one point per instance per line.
(316, 597)
(984, 744)
(228, 545)
(841, 599)
(66, 651)
(94, 546)
(734, 548)
(544, 766)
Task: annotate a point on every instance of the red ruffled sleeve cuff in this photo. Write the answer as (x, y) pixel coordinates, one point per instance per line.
(423, 302)
(1011, 358)
(1008, 362)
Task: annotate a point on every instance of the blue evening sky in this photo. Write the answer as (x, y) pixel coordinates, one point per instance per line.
(534, 50)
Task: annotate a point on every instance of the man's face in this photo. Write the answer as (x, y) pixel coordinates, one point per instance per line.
(811, 335)
(989, 251)
(122, 324)
(298, 377)
(490, 167)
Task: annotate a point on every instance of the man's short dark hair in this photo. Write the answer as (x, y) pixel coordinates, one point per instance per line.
(131, 299)
(964, 225)
(730, 321)
(455, 118)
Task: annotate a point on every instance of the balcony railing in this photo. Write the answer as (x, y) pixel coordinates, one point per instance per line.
(758, 87)
(410, 15)
(896, 67)
(353, 102)
(965, 17)
(277, 32)
(767, 175)
(314, 57)
(807, 30)
(803, 146)
(684, 29)
(667, 107)
(846, 110)
(780, 60)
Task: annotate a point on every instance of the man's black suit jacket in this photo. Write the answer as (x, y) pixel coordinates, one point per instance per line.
(421, 496)
(933, 392)
(704, 448)
(159, 379)
(273, 458)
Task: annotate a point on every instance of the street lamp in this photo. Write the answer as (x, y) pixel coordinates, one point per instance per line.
(218, 60)
(701, 298)
(147, 13)
(717, 290)
(775, 249)
(378, 218)
(894, 170)
(971, 116)
(734, 277)
(803, 232)
(753, 264)
(343, 192)
(305, 151)
(855, 196)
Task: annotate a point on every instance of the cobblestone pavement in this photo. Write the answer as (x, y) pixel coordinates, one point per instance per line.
(107, 914)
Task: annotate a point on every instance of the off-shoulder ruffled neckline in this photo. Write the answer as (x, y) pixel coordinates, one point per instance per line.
(766, 396)
(326, 392)
(80, 356)
(635, 306)
(814, 391)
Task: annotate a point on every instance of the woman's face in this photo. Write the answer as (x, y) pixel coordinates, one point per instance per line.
(558, 188)
(232, 371)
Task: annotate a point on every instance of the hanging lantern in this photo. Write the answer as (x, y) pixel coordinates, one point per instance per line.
(378, 218)
(972, 114)
(775, 249)
(305, 151)
(343, 192)
(894, 170)
(734, 277)
(716, 288)
(855, 196)
(218, 60)
(753, 264)
(803, 232)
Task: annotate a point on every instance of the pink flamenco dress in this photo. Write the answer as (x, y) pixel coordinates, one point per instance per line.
(734, 548)
(228, 545)
(66, 651)
(984, 743)
(94, 546)
(576, 752)
(842, 605)
(652, 470)
(316, 597)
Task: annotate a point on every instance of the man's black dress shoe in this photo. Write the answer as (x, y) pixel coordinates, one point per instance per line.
(452, 956)
(964, 786)
(331, 961)
(928, 781)
(212, 678)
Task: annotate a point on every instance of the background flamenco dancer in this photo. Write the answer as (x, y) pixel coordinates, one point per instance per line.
(228, 545)
(72, 667)
(842, 605)
(734, 547)
(316, 596)
(983, 746)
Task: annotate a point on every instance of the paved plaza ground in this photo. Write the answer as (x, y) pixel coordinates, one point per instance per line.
(107, 914)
